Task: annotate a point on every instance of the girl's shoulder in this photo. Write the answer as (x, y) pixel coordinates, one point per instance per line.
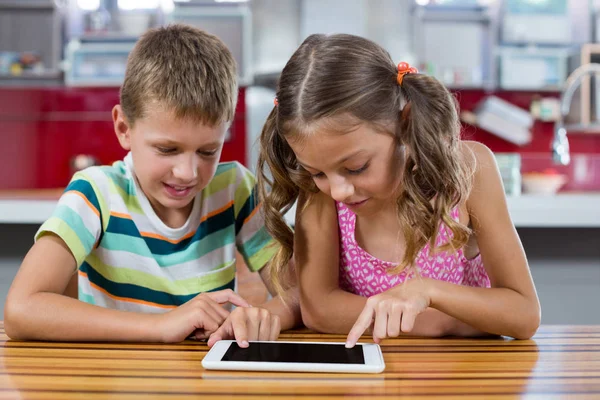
(480, 161)
(486, 189)
(316, 209)
(477, 155)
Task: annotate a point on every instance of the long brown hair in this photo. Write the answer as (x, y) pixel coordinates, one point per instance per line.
(344, 75)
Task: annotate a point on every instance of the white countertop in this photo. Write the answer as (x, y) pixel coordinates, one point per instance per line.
(562, 210)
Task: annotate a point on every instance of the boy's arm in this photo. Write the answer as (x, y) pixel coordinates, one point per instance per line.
(36, 308)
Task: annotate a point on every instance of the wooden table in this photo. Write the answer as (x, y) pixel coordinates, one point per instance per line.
(561, 362)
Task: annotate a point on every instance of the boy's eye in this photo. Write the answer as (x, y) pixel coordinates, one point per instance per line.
(358, 171)
(207, 153)
(165, 150)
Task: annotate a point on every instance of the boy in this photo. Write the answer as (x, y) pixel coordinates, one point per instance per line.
(152, 239)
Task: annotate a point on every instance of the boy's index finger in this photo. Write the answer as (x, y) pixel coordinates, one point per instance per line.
(217, 335)
(228, 296)
(362, 323)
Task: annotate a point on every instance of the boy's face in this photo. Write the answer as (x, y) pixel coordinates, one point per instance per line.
(174, 158)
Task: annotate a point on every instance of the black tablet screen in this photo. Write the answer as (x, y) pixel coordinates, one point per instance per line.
(295, 353)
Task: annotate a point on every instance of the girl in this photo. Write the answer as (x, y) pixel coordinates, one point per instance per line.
(400, 225)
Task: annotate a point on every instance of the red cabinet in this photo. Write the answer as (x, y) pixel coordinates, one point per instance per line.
(42, 129)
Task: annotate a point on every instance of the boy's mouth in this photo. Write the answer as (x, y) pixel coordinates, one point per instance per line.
(178, 191)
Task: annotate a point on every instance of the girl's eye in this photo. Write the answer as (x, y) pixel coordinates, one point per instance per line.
(317, 175)
(358, 171)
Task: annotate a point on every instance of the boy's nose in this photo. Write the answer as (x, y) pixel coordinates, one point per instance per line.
(186, 169)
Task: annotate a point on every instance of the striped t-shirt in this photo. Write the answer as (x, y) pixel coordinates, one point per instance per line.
(128, 259)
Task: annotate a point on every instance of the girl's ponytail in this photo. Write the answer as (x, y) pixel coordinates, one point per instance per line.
(437, 177)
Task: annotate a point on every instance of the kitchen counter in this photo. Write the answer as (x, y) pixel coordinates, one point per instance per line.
(565, 210)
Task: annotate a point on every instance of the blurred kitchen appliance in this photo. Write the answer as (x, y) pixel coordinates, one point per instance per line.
(33, 27)
(533, 68)
(541, 22)
(503, 119)
(454, 46)
(97, 61)
(509, 165)
(232, 24)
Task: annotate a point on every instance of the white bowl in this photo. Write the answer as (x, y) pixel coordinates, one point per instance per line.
(539, 183)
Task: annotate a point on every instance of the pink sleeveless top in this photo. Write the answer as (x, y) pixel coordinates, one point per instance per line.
(365, 275)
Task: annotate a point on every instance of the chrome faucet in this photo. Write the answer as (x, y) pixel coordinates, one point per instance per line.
(560, 143)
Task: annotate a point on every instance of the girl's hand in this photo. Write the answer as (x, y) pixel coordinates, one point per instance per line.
(393, 311)
(198, 317)
(246, 324)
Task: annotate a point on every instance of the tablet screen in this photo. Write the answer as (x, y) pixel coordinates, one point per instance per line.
(295, 353)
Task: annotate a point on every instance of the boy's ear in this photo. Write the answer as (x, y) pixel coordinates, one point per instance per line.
(122, 127)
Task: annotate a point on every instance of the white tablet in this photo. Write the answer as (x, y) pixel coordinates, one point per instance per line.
(295, 356)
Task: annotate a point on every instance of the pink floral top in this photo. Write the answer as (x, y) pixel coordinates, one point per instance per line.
(365, 275)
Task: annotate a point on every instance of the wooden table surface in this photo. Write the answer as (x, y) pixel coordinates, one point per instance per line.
(560, 362)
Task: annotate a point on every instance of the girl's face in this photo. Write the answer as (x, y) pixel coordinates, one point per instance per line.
(361, 168)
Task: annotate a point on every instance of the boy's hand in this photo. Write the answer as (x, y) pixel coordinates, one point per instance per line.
(391, 312)
(246, 324)
(198, 317)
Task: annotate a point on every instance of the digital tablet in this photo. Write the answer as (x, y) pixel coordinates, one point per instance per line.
(295, 356)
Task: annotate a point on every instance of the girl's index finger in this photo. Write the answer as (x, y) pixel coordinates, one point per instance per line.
(362, 323)
(240, 329)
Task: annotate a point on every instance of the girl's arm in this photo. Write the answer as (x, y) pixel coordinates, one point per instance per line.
(287, 305)
(324, 306)
(37, 309)
(511, 307)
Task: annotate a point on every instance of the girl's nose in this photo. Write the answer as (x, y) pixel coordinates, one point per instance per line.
(341, 190)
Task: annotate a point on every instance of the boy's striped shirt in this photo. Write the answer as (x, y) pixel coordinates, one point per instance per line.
(128, 259)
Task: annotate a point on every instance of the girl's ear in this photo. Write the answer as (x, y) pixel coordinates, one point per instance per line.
(122, 127)
(405, 114)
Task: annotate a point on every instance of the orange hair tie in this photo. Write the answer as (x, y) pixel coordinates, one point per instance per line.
(275, 101)
(403, 69)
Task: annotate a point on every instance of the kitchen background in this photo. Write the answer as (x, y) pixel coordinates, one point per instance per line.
(507, 61)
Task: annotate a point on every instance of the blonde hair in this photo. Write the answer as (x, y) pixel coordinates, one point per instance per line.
(329, 77)
(183, 69)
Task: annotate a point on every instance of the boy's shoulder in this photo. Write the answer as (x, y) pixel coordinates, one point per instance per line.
(116, 171)
(235, 166)
(232, 183)
(230, 174)
(103, 179)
